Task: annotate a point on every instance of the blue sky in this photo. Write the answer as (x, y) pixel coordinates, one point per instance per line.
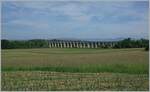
(79, 20)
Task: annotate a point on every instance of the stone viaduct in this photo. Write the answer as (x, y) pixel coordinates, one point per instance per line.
(80, 44)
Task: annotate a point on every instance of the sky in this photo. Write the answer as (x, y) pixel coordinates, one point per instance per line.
(74, 19)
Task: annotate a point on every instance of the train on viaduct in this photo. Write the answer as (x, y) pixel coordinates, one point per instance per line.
(80, 44)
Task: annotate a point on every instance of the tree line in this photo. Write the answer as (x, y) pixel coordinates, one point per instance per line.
(129, 43)
(40, 43)
(13, 44)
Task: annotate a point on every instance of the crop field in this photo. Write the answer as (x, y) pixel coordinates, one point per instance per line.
(75, 69)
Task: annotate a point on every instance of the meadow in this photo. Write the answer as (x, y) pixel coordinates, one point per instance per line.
(75, 69)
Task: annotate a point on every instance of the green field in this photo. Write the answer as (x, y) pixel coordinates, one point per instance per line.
(75, 69)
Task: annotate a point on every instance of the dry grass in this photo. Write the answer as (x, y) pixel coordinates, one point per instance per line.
(72, 57)
(31, 69)
(37, 80)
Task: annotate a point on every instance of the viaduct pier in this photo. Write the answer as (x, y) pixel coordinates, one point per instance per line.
(80, 44)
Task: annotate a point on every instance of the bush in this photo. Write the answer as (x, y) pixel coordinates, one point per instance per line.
(147, 48)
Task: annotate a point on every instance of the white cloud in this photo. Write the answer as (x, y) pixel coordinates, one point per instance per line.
(40, 25)
(80, 11)
(80, 17)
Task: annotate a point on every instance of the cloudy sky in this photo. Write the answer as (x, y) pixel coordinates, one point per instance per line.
(79, 20)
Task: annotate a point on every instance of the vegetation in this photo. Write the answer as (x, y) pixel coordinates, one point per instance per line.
(129, 43)
(46, 81)
(92, 69)
(116, 68)
(39, 43)
(76, 60)
(73, 58)
(147, 48)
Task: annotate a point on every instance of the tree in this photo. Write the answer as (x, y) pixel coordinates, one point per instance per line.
(147, 48)
(5, 44)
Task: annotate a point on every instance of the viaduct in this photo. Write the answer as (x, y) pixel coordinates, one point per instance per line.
(80, 44)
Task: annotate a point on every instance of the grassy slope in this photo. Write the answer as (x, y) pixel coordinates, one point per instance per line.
(76, 60)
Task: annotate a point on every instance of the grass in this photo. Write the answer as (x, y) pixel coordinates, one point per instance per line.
(117, 68)
(45, 81)
(75, 69)
(76, 60)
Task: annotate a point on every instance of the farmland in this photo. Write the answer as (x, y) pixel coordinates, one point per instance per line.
(75, 69)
